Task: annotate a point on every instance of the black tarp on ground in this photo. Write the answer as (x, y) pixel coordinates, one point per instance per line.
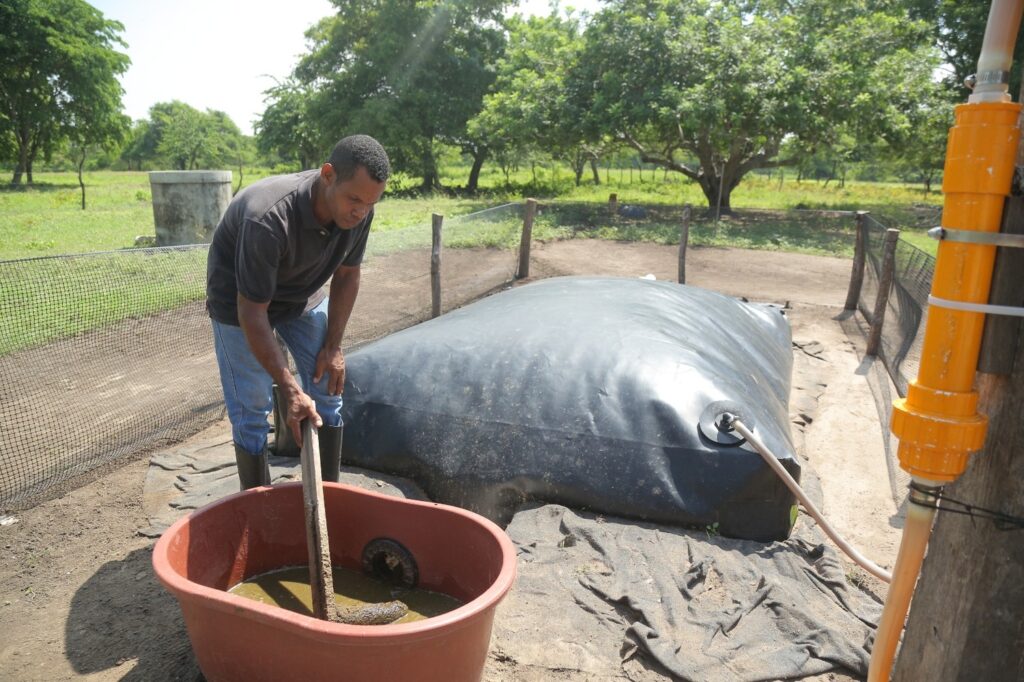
(627, 600)
(587, 392)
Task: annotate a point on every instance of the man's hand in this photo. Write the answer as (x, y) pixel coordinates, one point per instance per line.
(300, 406)
(332, 361)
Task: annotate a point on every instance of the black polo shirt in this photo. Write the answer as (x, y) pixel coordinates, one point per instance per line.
(270, 247)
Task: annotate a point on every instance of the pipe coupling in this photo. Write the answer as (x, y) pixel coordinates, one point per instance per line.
(938, 430)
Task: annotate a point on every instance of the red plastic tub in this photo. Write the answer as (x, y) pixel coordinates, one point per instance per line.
(457, 552)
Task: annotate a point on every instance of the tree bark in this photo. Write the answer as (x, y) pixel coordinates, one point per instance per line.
(710, 185)
(474, 172)
(593, 169)
(81, 183)
(966, 618)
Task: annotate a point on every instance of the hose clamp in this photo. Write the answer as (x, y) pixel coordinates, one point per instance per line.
(992, 77)
(946, 234)
(924, 496)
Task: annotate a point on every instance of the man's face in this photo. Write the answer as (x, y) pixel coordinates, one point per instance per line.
(348, 201)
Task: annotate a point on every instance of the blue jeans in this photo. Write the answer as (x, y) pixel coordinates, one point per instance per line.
(248, 389)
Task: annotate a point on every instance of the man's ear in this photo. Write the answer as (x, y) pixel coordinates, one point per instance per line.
(327, 173)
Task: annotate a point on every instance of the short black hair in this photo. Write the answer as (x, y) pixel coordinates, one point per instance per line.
(360, 150)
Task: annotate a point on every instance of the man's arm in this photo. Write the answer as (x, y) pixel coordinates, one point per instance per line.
(252, 317)
(344, 289)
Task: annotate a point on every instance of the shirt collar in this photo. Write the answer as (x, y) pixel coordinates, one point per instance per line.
(309, 220)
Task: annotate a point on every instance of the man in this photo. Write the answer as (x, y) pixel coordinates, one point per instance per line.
(279, 241)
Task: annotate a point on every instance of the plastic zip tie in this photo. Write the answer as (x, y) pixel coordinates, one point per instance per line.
(976, 237)
(986, 308)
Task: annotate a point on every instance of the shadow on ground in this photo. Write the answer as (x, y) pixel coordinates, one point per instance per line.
(99, 636)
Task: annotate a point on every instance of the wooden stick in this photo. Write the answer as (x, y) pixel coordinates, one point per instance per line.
(684, 240)
(857, 275)
(884, 287)
(524, 241)
(435, 267)
(321, 581)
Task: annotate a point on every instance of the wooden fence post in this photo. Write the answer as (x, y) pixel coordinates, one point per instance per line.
(435, 266)
(613, 203)
(1002, 332)
(857, 276)
(524, 242)
(884, 286)
(684, 239)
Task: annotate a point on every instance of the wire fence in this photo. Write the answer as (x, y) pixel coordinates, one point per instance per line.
(107, 355)
(902, 332)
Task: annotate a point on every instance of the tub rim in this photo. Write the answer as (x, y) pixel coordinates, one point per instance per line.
(463, 616)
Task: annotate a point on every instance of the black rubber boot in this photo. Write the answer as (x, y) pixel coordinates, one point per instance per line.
(253, 470)
(329, 438)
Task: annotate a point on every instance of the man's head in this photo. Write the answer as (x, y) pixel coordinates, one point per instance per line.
(352, 180)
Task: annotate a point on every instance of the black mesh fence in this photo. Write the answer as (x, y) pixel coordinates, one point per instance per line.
(782, 229)
(907, 304)
(105, 355)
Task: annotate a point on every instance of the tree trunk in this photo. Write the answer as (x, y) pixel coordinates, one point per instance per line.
(965, 621)
(430, 180)
(81, 183)
(429, 165)
(593, 169)
(711, 186)
(474, 172)
(19, 168)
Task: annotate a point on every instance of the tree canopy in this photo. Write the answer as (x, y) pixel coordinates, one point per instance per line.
(410, 73)
(530, 106)
(178, 135)
(58, 78)
(712, 90)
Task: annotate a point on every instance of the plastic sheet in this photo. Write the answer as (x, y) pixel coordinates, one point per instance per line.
(586, 392)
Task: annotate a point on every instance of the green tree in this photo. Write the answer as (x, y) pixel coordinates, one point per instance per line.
(188, 139)
(58, 78)
(531, 106)
(409, 72)
(921, 145)
(727, 83)
(136, 145)
(285, 128)
(89, 134)
(958, 28)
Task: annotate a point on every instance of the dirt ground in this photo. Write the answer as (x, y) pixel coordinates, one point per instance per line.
(79, 600)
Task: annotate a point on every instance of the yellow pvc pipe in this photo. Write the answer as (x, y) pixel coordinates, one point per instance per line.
(917, 528)
(938, 423)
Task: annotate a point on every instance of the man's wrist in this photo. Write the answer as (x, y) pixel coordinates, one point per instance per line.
(287, 384)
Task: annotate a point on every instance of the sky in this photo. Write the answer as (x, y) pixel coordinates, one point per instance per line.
(222, 54)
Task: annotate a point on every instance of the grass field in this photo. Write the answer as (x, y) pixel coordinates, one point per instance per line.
(48, 297)
(47, 219)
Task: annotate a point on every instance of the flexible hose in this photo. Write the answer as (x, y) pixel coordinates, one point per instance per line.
(916, 530)
(766, 454)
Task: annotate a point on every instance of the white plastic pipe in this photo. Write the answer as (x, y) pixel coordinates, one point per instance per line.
(773, 461)
(997, 52)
